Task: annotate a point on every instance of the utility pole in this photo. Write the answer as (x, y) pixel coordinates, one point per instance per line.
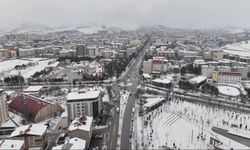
(22, 97)
(202, 127)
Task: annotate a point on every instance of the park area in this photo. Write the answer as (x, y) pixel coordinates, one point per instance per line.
(180, 124)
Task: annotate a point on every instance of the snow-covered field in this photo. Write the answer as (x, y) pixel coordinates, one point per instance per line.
(179, 123)
(10, 64)
(228, 90)
(29, 71)
(8, 67)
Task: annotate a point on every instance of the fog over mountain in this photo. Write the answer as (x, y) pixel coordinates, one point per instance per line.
(127, 13)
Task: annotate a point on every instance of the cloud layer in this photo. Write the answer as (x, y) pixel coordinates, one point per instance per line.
(128, 13)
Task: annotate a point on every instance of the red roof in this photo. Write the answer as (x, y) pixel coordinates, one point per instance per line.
(230, 73)
(157, 61)
(28, 105)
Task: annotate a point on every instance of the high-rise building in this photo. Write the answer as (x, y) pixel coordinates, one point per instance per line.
(83, 102)
(80, 50)
(207, 71)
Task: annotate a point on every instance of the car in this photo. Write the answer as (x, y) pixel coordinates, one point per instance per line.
(117, 110)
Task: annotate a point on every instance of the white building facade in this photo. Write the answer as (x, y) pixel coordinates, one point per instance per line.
(207, 71)
(3, 107)
(84, 103)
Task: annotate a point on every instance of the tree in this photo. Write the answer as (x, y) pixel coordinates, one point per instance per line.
(183, 70)
(216, 91)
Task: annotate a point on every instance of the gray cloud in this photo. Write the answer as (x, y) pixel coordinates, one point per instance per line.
(128, 13)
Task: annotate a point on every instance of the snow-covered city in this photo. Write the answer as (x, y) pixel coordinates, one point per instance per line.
(153, 74)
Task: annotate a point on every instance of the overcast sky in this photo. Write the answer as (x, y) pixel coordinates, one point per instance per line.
(128, 13)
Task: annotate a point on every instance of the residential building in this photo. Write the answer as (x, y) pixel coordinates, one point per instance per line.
(199, 63)
(67, 53)
(34, 108)
(165, 53)
(226, 77)
(216, 55)
(3, 107)
(207, 71)
(84, 102)
(131, 51)
(81, 50)
(147, 66)
(156, 65)
(81, 127)
(12, 53)
(185, 53)
(206, 55)
(223, 68)
(26, 52)
(159, 65)
(242, 70)
(91, 51)
(4, 54)
(33, 135)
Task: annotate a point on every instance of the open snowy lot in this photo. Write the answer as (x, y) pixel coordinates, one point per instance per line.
(185, 125)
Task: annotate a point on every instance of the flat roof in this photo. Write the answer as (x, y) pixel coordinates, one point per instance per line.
(32, 129)
(197, 80)
(83, 95)
(153, 101)
(82, 123)
(164, 80)
(33, 89)
(146, 75)
(72, 144)
(8, 144)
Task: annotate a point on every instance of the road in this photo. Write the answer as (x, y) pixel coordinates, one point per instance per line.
(133, 74)
(239, 139)
(112, 143)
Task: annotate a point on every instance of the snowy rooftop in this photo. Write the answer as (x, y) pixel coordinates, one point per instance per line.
(72, 144)
(33, 89)
(228, 90)
(162, 80)
(55, 64)
(83, 95)
(10, 92)
(105, 98)
(241, 49)
(32, 129)
(153, 101)
(81, 123)
(146, 75)
(8, 144)
(197, 80)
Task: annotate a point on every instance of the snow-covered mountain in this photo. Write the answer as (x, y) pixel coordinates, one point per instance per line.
(42, 29)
